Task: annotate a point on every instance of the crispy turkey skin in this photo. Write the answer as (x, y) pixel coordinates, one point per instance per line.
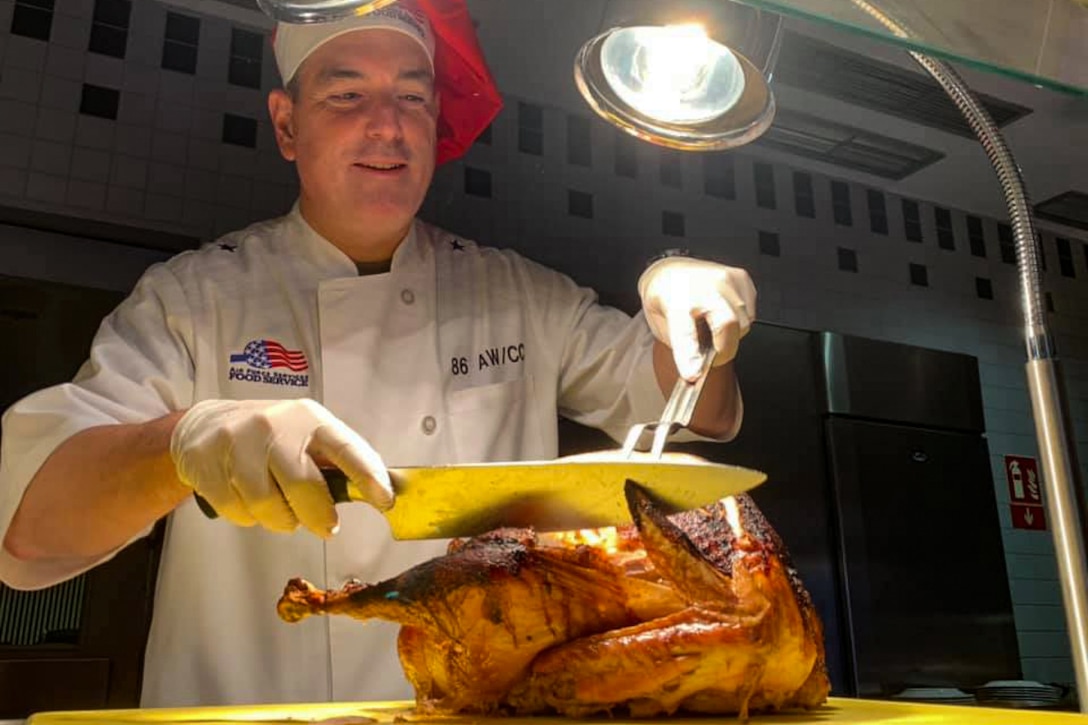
(686, 614)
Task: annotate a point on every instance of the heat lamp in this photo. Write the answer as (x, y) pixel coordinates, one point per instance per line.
(695, 78)
(318, 11)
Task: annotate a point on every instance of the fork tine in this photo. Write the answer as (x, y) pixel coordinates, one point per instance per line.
(661, 436)
(678, 408)
(633, 437)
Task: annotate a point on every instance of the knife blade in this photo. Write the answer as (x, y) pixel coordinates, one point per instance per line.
(438, 502)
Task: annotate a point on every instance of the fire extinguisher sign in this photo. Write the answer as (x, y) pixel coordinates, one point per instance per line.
(1025, 493)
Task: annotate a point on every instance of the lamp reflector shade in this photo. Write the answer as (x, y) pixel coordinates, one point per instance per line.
(692, 76)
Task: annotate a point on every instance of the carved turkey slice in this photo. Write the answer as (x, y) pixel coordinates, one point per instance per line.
(699, 612)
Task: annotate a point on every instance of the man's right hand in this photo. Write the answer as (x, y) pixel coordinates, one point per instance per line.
(254, 462)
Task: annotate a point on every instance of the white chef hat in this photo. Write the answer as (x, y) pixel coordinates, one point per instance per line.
(294, 42)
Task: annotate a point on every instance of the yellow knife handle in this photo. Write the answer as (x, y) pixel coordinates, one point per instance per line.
(334, 479)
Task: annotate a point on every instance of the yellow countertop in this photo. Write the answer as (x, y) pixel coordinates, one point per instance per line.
(837, 710)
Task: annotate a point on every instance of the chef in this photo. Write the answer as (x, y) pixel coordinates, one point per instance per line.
(346, 332)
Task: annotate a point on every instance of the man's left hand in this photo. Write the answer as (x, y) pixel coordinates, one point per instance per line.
(678, 291)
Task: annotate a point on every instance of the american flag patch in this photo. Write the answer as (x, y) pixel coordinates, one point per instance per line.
(270, 355)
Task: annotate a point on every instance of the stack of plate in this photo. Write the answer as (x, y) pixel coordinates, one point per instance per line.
(935, 696)
(1018, 693)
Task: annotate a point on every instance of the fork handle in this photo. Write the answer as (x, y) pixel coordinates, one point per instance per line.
(681, 404)
(685, 395)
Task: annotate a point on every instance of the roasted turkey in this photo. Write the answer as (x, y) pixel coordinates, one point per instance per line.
(700, 611)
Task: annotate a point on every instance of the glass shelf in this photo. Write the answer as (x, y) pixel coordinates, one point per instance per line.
(1044, 42)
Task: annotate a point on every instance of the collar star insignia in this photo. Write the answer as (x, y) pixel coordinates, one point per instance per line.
(228, 247)
(457, 246)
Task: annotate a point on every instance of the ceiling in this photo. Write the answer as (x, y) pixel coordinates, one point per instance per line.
(530, 46)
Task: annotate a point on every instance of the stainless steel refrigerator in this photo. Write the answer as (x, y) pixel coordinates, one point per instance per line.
(926, 592)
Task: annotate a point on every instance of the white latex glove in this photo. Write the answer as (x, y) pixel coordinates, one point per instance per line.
(251, 460)
(677, 291)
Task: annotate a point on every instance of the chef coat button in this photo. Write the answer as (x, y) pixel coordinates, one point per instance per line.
(429, 424)
(407, 296)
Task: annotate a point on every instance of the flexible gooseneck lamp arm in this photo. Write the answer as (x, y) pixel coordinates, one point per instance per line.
(1052, 431)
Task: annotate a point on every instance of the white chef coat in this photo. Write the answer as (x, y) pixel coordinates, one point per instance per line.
(457, 354)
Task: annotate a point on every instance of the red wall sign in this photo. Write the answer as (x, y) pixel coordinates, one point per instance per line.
(1025, 493)
(1028, 517)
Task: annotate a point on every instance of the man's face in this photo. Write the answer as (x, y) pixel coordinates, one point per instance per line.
(361, 128)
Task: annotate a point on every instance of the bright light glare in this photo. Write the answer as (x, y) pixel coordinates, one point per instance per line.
(674, 74)
(675, 63)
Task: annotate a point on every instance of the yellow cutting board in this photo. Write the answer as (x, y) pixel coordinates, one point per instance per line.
(837, 710)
